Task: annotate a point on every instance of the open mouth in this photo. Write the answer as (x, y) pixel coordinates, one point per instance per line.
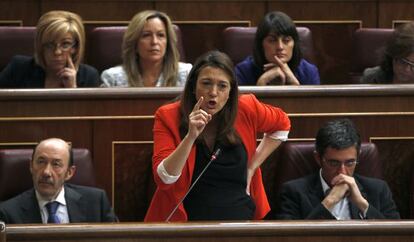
(211, 104)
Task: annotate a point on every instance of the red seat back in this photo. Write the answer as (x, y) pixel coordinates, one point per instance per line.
(369, 45)
(298, 161)
(15, 174)
(15, 41)
(239, 41)
(105, 47)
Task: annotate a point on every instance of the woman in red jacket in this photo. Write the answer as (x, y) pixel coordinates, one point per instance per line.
(211, 116)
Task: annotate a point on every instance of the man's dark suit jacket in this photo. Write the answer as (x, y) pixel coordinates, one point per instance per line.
(301, 199)
(85, 204)
(23, 72)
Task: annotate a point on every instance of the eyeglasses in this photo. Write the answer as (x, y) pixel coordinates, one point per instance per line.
(337, 163)
(64, 46)
(405, 62)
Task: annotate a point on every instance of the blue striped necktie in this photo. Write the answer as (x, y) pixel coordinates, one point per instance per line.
(51, 209)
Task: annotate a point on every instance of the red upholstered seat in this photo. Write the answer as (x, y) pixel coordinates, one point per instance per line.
(297, 160)
(15, 41)
(239, 41)
(369, 45)
(105, 47)
(15, 175)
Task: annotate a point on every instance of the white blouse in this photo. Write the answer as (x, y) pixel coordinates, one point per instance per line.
(116, 76)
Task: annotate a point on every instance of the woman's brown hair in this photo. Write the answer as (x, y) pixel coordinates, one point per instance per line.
(226, 117)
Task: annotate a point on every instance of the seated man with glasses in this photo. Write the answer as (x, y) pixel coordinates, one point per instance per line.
(335, 192)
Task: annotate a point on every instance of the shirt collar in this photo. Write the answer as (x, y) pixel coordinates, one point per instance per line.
(60, 198)
(325, 186)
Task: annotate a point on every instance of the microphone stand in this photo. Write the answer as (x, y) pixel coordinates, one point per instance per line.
(213, 157)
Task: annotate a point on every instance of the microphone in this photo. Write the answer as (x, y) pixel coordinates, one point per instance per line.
(212, 158)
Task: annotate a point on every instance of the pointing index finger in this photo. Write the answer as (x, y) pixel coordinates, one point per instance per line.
(198, 104)
(70, 62)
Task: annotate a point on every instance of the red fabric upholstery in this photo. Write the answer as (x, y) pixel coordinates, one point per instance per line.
(15, 41)
(239, 41)
(105, 47)
(369, 45)
(297, 160)
(15, 175)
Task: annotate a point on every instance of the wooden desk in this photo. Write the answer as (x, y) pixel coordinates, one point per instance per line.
(291, 231)
(116, 125)
(2, 232)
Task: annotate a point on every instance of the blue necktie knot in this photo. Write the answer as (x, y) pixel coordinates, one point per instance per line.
(51, 209)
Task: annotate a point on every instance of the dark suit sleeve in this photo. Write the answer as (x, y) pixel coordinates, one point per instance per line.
(288, 204)
(3, 216)
(107, 213)
(293, 203)
(7, 79)
(384, 207)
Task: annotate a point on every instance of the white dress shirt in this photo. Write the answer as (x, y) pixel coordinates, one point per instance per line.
(62, 211)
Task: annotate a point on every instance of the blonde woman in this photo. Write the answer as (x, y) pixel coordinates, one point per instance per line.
(59, 49)
(149, 53)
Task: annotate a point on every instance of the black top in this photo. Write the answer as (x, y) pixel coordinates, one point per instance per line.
(220, 193)
(23, 72)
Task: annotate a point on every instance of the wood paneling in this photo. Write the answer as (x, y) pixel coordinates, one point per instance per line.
(79, 133)
(116, 126)
(213, 10)
(373, 13)
(394, 10)
(11, 23)
(209, 36)
(289, 231)
(133, 179)
(396, 23)
(366, 11)
(94, 10)
(28, 11)
(333, 63)
(398, 156)
(108, 152)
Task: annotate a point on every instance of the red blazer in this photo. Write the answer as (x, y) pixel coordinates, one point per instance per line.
(253, 117)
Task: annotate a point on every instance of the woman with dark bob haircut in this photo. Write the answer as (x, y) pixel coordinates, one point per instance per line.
(277, 58)
(398, 61)
(211, 122)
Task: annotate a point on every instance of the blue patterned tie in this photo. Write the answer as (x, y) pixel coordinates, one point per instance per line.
(51, 209)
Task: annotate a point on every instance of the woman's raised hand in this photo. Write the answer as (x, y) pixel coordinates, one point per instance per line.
(198, 119)
(68, 74)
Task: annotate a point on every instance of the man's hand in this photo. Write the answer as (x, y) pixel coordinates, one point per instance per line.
(345, 186)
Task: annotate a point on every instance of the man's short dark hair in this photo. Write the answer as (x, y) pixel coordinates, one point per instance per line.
(71, 163)
(337, 134)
